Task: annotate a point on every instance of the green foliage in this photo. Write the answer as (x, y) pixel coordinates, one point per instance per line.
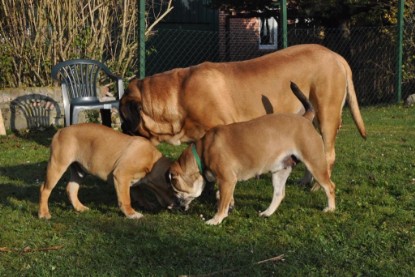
(372, 233)
(92, 116)
(6, 63)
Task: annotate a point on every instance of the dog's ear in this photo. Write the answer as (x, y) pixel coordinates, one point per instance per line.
(130, 116)
(171, 175)
(130, 106)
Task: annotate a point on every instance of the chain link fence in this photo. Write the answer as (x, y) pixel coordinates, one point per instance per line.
(370, 51)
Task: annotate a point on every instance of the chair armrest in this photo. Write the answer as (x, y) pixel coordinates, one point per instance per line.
(120, 83)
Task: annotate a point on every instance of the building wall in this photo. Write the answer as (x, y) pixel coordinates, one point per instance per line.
(239, 38)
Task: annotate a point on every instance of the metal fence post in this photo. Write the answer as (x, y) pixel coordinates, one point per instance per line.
(399, 51)
(142, 39)
(283, 14)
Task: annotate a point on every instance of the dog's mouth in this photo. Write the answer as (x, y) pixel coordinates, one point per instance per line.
(183, 202)
(174, 205)
(178, 205)
(183, 199)
(127, 129)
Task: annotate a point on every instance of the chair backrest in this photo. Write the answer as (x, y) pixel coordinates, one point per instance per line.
(79, 78)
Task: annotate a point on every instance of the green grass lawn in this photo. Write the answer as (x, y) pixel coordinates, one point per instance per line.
(372, 232)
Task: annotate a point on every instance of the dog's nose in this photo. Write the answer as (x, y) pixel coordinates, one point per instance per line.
(182, 204)
(176, 204)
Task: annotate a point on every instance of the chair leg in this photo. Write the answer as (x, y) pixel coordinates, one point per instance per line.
(67, 114)
(106, 117)
(74, 118)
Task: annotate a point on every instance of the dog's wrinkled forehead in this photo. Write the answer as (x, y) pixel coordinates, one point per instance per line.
(191, 179)
(182, 180)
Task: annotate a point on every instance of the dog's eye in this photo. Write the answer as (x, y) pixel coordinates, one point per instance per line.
(172, 178)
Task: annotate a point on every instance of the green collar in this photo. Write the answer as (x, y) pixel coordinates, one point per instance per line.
(197, 158)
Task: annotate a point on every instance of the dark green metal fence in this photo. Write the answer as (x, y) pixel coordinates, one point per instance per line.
(370, 51)
(170, 49)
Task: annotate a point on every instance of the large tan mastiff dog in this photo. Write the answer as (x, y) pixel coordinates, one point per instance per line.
(239, 151)
(182, 104)
(109, 155)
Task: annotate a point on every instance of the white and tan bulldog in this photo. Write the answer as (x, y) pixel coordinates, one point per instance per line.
(182, 104)
(239, 151)
(110, 155)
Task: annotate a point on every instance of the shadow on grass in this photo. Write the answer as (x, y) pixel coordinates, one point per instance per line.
(36, 109)
(41, 137)
(93, 192)
(25, 173)
(193, 248)
(24, 182)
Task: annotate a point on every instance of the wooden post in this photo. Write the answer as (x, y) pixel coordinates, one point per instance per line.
(142, 39)
(2, 128)
(400, 19)
(283, 14)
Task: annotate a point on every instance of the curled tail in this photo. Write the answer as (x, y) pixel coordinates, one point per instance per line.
(309, 110)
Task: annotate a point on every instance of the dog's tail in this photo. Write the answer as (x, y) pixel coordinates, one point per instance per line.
(309, 110)
(352, 101)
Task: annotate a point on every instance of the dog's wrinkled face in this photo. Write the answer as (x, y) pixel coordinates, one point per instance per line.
(130, 116)
(130, 109)
(187, 184)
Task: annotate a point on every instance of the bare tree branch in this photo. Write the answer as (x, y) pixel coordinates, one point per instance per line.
(35, 35)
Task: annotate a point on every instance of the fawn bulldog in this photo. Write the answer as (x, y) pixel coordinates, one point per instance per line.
(109, 155)
(239, 151)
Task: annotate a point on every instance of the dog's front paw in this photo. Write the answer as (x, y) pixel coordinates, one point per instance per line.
(81, 208)
(329, 209)
(214, 221)
(265, 214)
(135, 215)
(44, 215)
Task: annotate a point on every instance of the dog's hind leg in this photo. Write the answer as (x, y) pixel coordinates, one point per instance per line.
(279, 179)
(329, 188)
(54, 172)
(72, 188)
(329, 118)
(318, 167)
